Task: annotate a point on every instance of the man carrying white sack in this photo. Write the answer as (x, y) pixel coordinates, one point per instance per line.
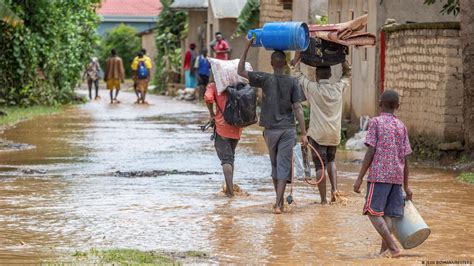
(324, 133)
(226, 136)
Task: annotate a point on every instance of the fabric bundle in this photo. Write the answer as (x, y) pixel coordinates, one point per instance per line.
(348, 33)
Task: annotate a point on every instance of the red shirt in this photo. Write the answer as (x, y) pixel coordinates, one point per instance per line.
(389, 136)
(221, 45)
(187, 60)
(223, 129)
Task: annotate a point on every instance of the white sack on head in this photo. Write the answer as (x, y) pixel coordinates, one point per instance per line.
(225, 72)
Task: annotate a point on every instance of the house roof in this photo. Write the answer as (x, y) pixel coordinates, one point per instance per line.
(227, 8)
(189, 4)
(133, 8)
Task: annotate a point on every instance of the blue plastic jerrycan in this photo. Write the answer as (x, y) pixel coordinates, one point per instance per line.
(281, 36)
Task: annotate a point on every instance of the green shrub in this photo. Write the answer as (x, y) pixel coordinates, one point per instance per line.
(466, 177)
(43, 57)
(125, 40)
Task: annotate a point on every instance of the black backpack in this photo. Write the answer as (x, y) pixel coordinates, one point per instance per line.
(324, 53)
(241, 107)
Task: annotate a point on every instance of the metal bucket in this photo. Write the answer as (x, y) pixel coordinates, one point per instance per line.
(281, 36)
(410, 230)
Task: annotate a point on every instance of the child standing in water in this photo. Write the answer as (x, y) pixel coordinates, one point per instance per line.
(386, 160)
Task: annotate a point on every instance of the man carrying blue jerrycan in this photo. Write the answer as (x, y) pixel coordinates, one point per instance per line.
(281, 100)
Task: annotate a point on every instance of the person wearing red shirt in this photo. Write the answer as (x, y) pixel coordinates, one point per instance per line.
(220, 47)
(227, 136)
(188, 66)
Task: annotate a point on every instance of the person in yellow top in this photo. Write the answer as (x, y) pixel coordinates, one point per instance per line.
(141, 71)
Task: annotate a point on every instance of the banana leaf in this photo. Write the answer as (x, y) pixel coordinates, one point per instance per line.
(8, 16)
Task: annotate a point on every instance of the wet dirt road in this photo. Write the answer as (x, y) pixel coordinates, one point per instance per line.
(145, 177)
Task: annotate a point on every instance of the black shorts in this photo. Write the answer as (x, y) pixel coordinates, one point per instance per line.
(203, 80)
(225, 149)
(327, 153)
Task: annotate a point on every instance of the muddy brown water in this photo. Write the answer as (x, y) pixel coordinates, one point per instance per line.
(65, 195)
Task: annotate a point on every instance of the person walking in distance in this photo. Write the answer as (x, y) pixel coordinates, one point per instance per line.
(114, 75)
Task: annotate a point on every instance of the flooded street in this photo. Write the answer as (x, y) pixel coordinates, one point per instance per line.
(145, 177)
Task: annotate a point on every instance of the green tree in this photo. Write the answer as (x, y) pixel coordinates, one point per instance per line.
(125, 40)
(450, 7)
(43, 57)
(171, 28)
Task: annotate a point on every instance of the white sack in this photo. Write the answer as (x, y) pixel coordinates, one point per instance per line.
(225, 72)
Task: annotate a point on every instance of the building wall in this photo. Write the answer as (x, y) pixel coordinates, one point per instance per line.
(227, 27)
(149, 43)
(365, 88)
(360, 97)
(197, 29)
(270, 11)
(425, 67)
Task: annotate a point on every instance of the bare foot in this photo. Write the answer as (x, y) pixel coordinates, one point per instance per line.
(145, 102)
(324, 202)
(392, 254)
(334, 195)
(277, 210)
(137, 102)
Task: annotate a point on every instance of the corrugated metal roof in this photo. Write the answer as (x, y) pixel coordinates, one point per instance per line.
(189, 4)
(227, 8)
(130, 8)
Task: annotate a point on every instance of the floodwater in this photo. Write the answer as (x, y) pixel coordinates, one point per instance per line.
(126, 176)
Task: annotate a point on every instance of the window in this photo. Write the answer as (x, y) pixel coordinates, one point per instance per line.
(287, 4)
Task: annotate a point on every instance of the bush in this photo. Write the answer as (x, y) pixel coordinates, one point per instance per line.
(43, 57)
(125, 40)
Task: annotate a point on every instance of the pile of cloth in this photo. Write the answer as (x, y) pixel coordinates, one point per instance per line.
(352, 32)
(329, 43)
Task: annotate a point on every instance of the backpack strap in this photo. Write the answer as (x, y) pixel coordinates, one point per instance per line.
(215, 97)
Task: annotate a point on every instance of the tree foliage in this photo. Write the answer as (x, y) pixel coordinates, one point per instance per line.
(171, 28)
(8, 16)
(125, 40)
(42, 58)
(248, 18)
(450, 7)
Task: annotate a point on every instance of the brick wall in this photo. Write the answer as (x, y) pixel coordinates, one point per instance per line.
(424, 64)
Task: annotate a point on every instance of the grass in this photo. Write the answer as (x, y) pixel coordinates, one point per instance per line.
(466, 177)
(17, 114)
(123, 256)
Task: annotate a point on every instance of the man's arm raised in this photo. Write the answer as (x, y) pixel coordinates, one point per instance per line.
(241, 68)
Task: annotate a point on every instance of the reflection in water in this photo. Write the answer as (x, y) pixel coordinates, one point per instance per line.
(73, 192)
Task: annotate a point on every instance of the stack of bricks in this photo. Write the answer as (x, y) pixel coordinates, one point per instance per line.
(425, 67)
